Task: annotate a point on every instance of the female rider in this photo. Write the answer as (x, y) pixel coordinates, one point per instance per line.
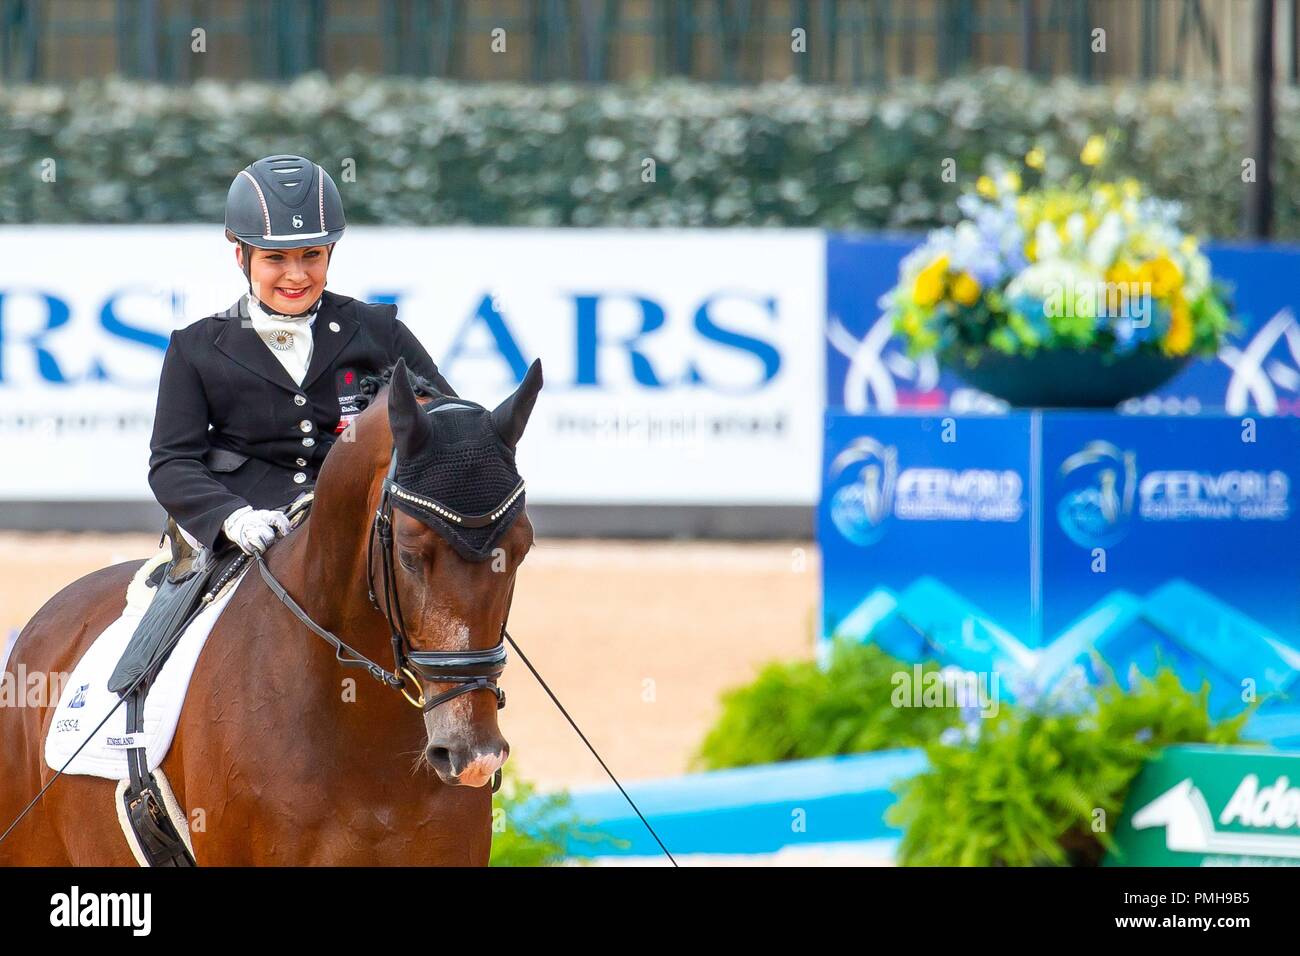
(251, 399)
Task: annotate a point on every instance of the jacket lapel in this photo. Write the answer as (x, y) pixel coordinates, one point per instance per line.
(239, 341)
(327, 343)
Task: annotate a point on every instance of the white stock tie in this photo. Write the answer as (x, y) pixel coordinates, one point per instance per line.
(289, 337)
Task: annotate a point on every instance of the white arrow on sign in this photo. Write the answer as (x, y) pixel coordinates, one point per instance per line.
(1189, 827)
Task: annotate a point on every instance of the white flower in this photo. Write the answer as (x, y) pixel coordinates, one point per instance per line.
(1046, 242)
(1076, 229)
(1059, 282)
(1105, 241)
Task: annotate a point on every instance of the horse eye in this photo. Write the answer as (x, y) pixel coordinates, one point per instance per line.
(410, 560)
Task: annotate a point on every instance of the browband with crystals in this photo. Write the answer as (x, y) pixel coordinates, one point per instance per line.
(450, 514)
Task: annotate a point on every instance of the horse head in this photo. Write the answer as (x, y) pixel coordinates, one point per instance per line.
(458, 535)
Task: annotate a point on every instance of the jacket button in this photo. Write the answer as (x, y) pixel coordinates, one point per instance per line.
(301, 462)
(308, 442)
(305, 424)
(299, 400)
(299, 478)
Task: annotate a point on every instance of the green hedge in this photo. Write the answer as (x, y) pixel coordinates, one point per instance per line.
(434, 152)
(795, 710)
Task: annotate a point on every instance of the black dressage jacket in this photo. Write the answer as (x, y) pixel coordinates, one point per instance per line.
(232, 428)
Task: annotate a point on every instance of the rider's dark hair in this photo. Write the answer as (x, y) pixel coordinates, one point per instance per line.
(371, 384)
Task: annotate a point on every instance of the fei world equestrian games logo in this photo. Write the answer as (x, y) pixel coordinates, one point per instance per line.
(860, 505)
(1108, 490)
(867, 488)
(1096, 515)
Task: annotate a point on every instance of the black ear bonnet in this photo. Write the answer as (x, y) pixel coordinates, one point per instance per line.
(463, 483)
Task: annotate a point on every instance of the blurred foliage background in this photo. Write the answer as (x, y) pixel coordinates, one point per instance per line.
(439, 152)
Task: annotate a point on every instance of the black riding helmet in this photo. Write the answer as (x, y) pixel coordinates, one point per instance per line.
(283, 202)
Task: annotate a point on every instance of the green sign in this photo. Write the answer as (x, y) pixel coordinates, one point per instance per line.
(1212, 806)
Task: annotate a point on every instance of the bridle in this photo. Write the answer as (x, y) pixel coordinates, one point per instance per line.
(470, 670)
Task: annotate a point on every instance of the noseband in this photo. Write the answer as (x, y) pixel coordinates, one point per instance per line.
(470, 670)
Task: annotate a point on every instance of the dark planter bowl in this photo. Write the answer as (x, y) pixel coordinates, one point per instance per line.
(1067, 379)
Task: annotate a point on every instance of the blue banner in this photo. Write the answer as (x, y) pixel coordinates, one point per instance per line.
(867, 367)
(1035, 544)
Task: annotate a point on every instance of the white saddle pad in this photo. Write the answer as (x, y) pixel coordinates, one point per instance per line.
(85, 698)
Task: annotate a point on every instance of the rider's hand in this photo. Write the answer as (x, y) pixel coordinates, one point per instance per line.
(253, 530)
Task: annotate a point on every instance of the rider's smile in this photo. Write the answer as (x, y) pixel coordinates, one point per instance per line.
(285, 280)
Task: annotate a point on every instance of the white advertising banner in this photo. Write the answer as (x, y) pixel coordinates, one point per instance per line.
(681, 367)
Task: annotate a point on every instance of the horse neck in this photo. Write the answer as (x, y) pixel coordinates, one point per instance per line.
(326, 561)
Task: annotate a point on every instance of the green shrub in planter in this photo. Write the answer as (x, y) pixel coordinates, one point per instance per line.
(795, 710)
(536, 828)
(1042, 782)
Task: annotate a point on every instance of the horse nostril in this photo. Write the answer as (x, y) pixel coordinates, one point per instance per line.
(440, 759)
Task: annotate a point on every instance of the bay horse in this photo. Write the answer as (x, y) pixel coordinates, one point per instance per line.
(281, 756)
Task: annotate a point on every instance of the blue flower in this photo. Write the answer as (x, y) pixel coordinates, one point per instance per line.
(1141, 323)
(1024, 691)
(1072, 693)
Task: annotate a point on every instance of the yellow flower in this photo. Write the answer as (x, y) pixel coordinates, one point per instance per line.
(1178, 340)
(1094, 151)
(1122, 274)
(1165, 276)
(911, 323)
(1010, 181)
(1188, 246)
(928, 287)
(1035, 158)
(1031, 250)
(965, 289)
(986, 187)
(1132, 188)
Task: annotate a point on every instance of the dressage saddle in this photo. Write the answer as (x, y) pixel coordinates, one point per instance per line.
(178, 585)
(181, 587)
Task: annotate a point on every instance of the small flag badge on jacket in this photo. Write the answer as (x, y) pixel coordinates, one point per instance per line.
(348, 386)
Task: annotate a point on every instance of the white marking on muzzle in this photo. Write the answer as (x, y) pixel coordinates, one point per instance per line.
(479, 772)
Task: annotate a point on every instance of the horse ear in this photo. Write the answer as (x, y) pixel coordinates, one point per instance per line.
(510, 417)
(405, 418)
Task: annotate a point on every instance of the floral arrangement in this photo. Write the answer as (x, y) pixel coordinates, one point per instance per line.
(1081, 263)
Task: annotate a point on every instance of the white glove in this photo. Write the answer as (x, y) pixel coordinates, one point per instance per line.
(253, 530)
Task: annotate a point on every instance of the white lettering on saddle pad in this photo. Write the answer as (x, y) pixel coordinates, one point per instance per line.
(86, 699)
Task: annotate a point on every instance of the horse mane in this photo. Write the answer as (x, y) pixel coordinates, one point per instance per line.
(370, 385)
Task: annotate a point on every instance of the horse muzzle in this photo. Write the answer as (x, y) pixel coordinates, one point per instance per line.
(466, 766)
